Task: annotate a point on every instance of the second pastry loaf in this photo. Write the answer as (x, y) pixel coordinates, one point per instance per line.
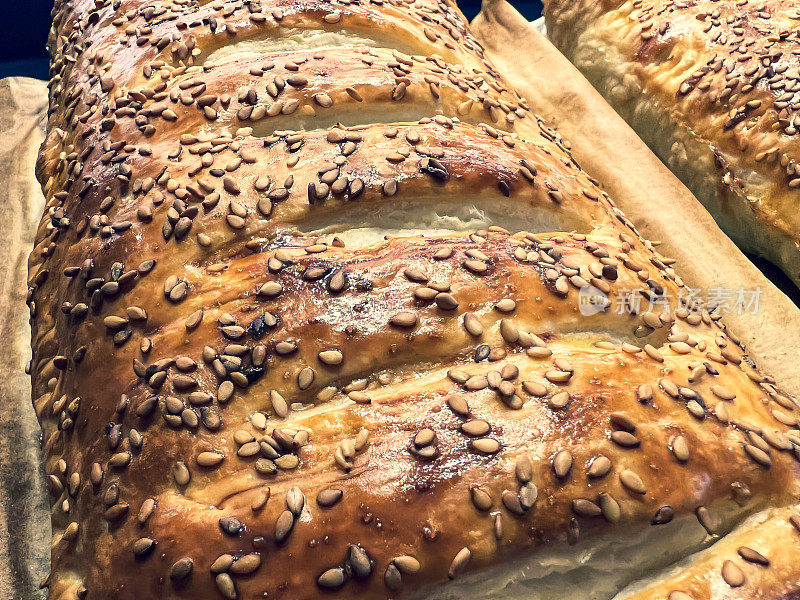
(711, 87)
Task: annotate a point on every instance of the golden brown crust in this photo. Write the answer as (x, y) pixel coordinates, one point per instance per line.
(143, 38)
(711, 87)
(301, 363)
(313, 90)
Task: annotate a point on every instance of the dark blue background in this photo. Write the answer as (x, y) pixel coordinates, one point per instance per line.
(23, 33)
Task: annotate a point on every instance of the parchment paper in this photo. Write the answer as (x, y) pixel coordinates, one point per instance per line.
(649, 194)
(24, 513)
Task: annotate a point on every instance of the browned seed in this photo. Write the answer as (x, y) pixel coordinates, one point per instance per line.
(114, 322)
(586, 508)
(270, 289)
(485, 445)
(475, 427)
(425, 294)
(331, 357)
(539, 352)
(181, 569)
(209, 459)
(458, 404)
(599, 466)
(143, 547)
(653, 353)
(353, 93)
(709, 520)
(562, 463)
(283, 526)
(753, 556)
(279, 404)
(399, 91)
(392, 578)
(509, 331)
(295, 500)
(359, 561)
(632, 481)
(424, 437)
(404, 319)
(120, 459)
(534, 388)
(625, 439)
(230, 185)
(476, 266)
(644, 393)
(96, 474)
(559, 401)
(71, 532)
(523, 469)
(680, 448)
(557, 376)
(622, 421)
(445, 301)
(610, 507)
(178, 292)
(146, 510)
(261, 499)
(528, 494)
(663, 515)
(459, 563)
(390, 187)
(795, 521)
(722, 392)
(225, 392)
(480, 498)
(226, 586)
(732, 574)
(476, 382)
(181, 473)
(331, 579)
(758, 455)
(359, 397)
(231, 525)
(305, 378)
(246, 564)
(287, 462)
(329, 497)
(265, 466)
(222, 563)
(337, 283)
(512, 503)
(506, 305)
(472, 325)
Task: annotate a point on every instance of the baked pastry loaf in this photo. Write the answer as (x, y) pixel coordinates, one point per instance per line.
(711, 86)
(321, 309)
